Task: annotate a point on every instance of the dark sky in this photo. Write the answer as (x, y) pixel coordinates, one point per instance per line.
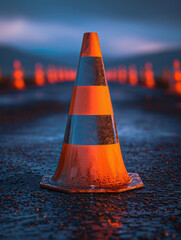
(126, 27)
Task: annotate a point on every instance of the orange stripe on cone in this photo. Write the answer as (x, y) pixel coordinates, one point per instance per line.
(91, 46)
(91, 100)
(81, 161)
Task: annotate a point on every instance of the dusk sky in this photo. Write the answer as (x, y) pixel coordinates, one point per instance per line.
(125, 28)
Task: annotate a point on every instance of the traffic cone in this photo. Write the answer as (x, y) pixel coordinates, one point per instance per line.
(91, 159)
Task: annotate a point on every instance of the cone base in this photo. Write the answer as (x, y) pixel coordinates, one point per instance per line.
(136, 182)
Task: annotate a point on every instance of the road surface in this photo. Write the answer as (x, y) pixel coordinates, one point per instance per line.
(32, 130)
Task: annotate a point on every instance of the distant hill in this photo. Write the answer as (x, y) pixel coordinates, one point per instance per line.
(28, 60)
(159, 60)
(9, 54)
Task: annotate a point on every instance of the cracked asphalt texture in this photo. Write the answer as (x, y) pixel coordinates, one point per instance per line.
(32, 130)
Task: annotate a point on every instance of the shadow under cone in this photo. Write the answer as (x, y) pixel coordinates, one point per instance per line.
(91, 159)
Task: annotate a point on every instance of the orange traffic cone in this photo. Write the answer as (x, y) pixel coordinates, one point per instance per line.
(18, 76)
(91, 159)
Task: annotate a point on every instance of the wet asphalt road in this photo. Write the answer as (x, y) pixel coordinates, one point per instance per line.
(32, 130)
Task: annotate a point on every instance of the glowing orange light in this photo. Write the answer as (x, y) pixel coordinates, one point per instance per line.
(61, 74)
(75, 73)
(133, 76)
(18, 76)
(72, 75)
(177, 76)
(122, 74)
(108, 75)
(177, 71)
(149, 75)
(39, 75)
(52, 74)
(114, 74)
(111, 75)
(66, 74)
(178, 87)
(176, 64)
(16, 64)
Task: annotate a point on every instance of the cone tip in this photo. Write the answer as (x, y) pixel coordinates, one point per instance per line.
(90, 33)
(90, 45)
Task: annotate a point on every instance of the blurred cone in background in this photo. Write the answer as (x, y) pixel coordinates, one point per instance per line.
(149, 75)
(39, 75)
(177, 76)
(61, 74)
(91, 159)
(133, 76)
(122, 74)
(52, 74)
(18, 76)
